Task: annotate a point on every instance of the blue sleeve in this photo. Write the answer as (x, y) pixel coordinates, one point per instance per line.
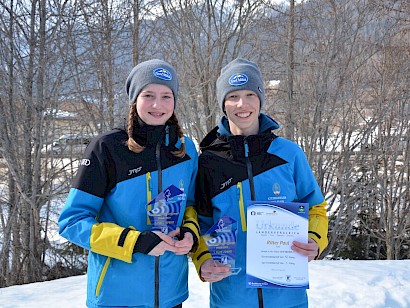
(78, 217)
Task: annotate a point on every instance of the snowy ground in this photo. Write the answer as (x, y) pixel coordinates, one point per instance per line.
(370, 284)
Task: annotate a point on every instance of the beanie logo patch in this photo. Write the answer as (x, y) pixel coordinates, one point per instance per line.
(162, 73)
(238, 79)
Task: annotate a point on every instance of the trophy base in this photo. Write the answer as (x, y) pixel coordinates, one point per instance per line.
(234, 271)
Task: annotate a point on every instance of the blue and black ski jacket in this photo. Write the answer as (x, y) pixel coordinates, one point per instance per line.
(235, 169)
(105, 212)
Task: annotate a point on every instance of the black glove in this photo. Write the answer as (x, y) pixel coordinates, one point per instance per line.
(146, 242)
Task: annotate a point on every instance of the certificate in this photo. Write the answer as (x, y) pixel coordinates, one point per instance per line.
(271, 229)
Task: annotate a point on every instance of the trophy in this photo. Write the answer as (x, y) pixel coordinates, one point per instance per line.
(221, 242)
(163, 211)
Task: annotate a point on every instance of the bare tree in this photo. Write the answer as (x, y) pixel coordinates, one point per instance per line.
(336, 46)
(27, 94)
(201, 36)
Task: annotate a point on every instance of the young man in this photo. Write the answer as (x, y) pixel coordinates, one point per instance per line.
(242, 160)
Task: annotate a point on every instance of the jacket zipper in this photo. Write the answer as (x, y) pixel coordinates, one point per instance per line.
(158, 158)
(253, 198)
(249, 169)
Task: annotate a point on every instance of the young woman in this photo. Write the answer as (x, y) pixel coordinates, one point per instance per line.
(122, 170)
(242, 160)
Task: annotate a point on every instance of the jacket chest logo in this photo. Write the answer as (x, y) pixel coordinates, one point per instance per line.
(134, 171)
(85, 162)
(276, 189)
(225, 184)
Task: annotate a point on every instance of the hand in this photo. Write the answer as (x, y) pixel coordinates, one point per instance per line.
(213, 271)
(168, 243)
(311, 249)
(182, 246)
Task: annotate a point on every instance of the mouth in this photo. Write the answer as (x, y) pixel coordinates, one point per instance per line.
(243, 115)
(156, 114)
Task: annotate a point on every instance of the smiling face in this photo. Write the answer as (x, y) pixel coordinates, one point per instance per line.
(242, 109)
(155, 104)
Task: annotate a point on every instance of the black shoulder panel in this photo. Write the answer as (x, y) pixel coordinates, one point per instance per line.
(108, 161)
(217, 173)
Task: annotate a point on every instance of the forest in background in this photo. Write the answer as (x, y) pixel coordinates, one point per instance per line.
(337, 78)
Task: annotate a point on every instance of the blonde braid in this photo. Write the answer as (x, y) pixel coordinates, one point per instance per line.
(131, 143)
(182, 151)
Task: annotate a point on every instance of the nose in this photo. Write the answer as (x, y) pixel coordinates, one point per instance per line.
(156, 102)
(241, 102)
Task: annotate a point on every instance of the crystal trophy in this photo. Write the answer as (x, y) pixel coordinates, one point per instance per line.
(221, 242)
(163, 211)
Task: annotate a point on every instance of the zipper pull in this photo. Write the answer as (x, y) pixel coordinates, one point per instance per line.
(245, 143)
(167, 135)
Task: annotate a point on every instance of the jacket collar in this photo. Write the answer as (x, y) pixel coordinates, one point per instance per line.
(149, 135)
(221, 140)
(265, 123)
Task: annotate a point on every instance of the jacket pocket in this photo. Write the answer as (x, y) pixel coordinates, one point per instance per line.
(102, 276)
(241, 205)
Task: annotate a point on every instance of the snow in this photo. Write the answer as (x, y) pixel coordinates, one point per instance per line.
(346, 283)
(60, 113)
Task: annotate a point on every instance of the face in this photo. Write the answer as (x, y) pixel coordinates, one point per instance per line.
(242, 109)
(155, 104)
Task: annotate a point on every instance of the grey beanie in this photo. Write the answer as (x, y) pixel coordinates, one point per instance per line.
(239, 74)
(151, 71)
